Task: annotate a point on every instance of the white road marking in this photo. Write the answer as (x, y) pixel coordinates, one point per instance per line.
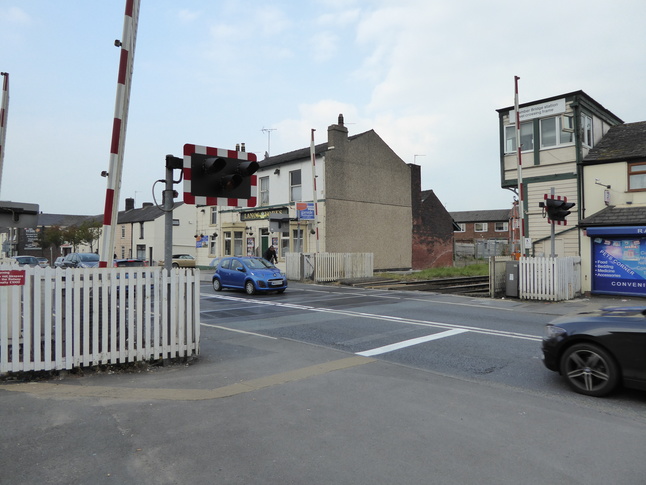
(408, 321)
(238, 331)
(410, 342)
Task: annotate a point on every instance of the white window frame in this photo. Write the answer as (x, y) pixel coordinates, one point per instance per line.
(295, 189)
(264, 191)
(505, 226)
(560, 137)
(463, 227)
(214, 216)
(587, 131)
(526, 130)
(484, 227)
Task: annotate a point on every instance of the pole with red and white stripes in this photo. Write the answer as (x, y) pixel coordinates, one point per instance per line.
(4, 110)
(124, 81)
(315, 198)
(521, 197)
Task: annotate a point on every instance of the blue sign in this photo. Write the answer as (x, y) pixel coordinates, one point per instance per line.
(619, 265)
(307, 214)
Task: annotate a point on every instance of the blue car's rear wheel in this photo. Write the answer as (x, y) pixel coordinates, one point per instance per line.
(217, 286)
(249, 287)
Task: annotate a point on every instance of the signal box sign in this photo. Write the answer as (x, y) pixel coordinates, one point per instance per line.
(12, 277)
(198, 154)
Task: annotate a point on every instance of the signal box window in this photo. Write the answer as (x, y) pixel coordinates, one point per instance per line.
(526, 137)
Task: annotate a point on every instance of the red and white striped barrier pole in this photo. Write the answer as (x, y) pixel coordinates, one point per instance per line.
(521, 195)
(316, 205)
(124, 80)
(3, 119)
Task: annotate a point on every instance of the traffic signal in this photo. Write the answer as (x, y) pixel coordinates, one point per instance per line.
(557, 209)
(219, 177)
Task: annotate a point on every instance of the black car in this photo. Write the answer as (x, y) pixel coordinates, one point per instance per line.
(598, 351)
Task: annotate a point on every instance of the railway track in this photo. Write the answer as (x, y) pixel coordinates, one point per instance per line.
(463, 285)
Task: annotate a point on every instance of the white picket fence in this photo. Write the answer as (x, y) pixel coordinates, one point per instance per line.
(54, 319)
(552, 279)
(326, 267)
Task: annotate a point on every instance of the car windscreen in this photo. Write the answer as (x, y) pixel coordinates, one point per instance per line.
(89, 257)
(257, 263)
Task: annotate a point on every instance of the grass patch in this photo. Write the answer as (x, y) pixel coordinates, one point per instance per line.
(480, 269)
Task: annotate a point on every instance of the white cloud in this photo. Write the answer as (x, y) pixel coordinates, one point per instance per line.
(15, 15)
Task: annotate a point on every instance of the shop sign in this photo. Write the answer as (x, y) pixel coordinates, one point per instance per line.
(260, 215)
(306, 211)
(619, 265)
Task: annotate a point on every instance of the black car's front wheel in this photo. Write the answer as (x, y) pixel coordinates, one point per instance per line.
(589, 370)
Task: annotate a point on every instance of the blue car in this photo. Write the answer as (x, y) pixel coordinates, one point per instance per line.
(250, 274)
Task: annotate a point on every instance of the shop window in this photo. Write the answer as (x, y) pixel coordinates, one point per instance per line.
(284, 243)
(227, 243)
(237, 243)
(481, 227)
(637, 176)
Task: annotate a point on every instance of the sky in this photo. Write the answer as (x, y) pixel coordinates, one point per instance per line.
(426, 75)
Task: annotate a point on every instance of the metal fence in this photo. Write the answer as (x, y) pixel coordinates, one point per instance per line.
(54, 319)
(326, 267)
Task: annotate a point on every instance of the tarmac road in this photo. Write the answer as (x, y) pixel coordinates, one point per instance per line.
(255, 409)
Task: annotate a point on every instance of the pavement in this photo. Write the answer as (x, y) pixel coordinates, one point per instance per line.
(257, 410)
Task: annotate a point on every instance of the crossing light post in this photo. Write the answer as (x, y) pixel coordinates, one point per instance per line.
(556, 209)
(214, 176)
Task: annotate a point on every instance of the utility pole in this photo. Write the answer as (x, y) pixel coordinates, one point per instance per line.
(3, 119)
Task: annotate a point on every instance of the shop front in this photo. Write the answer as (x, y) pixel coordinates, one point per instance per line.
(618, 260)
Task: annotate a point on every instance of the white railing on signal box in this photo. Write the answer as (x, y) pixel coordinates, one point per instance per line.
(55, 319)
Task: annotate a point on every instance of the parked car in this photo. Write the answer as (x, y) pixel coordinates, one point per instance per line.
(131, 262)
(26, 261)
(81, 260)
(598, 351)
(58, 263)
(250, 274)
(183, 261)
(43, 262)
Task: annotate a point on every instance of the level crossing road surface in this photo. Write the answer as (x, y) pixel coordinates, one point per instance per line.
(479, 339)
(327, 384)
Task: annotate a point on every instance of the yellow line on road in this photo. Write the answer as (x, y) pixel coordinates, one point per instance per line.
(66, 391)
